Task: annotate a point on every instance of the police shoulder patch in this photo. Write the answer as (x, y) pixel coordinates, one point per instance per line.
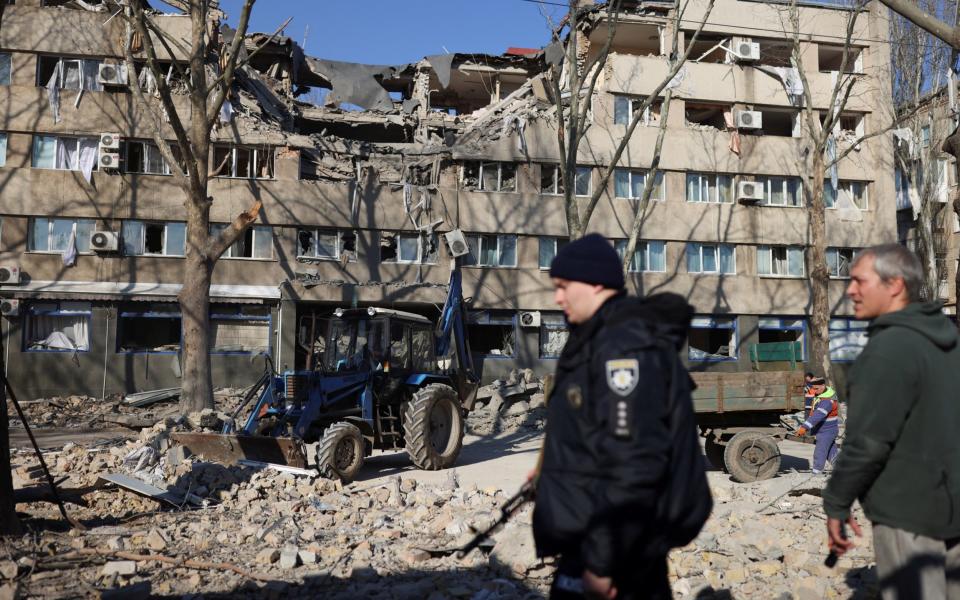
(623, 375)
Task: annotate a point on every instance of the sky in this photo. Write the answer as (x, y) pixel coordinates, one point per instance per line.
(400, 31)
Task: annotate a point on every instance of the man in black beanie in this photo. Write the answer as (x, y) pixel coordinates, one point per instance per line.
(622, 477)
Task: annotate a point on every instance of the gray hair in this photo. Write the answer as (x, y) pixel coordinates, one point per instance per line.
(891, 261)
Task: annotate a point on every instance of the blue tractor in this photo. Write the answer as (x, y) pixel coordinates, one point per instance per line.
(380, 379)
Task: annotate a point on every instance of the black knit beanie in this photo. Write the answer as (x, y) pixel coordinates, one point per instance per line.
(591, 259)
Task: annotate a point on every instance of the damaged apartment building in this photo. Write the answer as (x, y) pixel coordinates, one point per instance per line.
(359, 185)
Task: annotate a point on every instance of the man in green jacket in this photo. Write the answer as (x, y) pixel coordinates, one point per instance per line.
(901, 458)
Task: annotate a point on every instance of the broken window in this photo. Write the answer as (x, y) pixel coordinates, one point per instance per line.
(582, 184)
(254, 242)
(53, 235)
(712, 338)
(325, 244)
(782, 191)
(554, 333)
(830, 57)
(626, 107)
(490, 176)
(67, 153)
(243, 162)
(57, 327)
(709, 187)
(780, 261)
(855, 191)
(649, 256)
(784, 333)
(711, 258)
(549, 246)
(154, 238)
(847, 339)
(839, 261)
(551, 179)
(143, 157)
(490, 250)
(5, 68)
(707, 48)
(150, 329)
(706, 116)
(783, 123)
(239, 330)
(409, 248)
(492, 333)
(70, 73)
(628, 183)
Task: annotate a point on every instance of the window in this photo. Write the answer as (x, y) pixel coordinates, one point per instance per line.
(712, 338)
(711, 258)
(549, 246)
(707, 116)
(553, 334)
(243, 330)
(58, 327)
(144, 157)
(254, 242)
(551, 180)
(709, 187)
(925, 136)
(847, 338)
(490, 176)
(423, 349)
(582, 184)
(780, 261)
(649, 257)
(488, 250)
(780, 339)
(68, 153)
(243, 162)
(855, 191)
(53, 235)
(629, 184)
(3, 149)
(156, 238)
(625, 107)
(830, 57)
(902, 181)
(5, 68)
(781, 191)
(839, 261)
(150, 329)
(69, 73)
(409, 248)
(492, 333)
(325, 244)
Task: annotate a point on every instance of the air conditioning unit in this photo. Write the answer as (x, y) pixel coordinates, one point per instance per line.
(751, 192)
(112, 74)
(109, 141)
(9, 307)
(109, 161)
(530, 319)
(9, 274)
(747, 51)
(104, 241)
(457, 243)
(749, 119)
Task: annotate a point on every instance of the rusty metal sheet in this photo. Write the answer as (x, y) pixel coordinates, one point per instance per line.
(228, 449)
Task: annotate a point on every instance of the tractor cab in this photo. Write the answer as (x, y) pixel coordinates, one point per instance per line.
(379, 340)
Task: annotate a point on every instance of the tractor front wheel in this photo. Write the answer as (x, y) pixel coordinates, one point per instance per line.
(340, 452)
(433, 427)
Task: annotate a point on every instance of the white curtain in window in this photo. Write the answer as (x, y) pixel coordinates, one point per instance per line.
(658, 259)
(67, 155)
(59, 332)
(88, 156)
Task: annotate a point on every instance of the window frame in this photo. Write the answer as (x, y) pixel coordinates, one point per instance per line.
(847, 328)
(718, 257)
(583, 170)
(659, 183)
(711, 183)
(339, 233)
(499, 237)
(643, 246)
(550, 321)
(3, 151)
(632, 104)
(711, 322)
(145, 145)
(541, 240)
(240, 315)
(830, 200)
(784, 189)
(837, 273)
(143, 237)
(557, 180)
(420, 260)
(497, 318)
(82, 240)
(255, 162)
(31, 312)
(8, 56)
(783, 325)
(481, 166)
(253, 229)
(147, 314)
(787, 249)
(81, 61)
(58, 139)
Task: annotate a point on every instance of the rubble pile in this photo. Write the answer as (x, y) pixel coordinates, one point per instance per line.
(506, 406)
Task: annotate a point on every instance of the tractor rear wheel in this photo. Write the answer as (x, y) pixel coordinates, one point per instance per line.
(433, 427)
(340, 452)
(751, 456)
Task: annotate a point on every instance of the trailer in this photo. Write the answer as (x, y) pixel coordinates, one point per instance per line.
(739, 416)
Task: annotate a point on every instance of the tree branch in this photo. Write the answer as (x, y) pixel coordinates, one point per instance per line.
(232, 56)
(925, 21)
(232, 232)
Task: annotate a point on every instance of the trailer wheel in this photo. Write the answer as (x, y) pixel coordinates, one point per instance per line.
(751, 456)
(433, 427)
(340, 452)
(714, 451)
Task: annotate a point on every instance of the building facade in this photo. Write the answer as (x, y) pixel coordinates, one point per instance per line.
(358, 188)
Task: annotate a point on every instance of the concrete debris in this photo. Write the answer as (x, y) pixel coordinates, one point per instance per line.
(124, 568)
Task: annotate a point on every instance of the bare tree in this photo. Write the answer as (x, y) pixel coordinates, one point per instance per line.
(574, 84)
(212, 62)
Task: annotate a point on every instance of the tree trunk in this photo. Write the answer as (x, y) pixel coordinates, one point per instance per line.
(9, 524)
(819, 359)
(197, 389)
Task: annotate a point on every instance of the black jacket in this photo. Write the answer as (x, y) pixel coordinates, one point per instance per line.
(607, 450)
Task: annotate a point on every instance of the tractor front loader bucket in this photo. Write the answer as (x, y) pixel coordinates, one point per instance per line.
(230, 448)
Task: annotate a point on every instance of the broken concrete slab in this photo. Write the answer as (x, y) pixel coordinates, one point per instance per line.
(123, 568)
